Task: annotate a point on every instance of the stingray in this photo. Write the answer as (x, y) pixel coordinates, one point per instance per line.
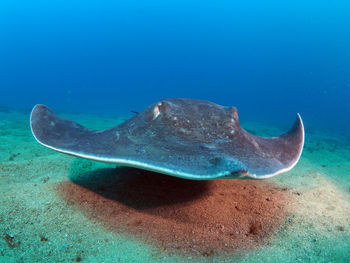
(186, 138)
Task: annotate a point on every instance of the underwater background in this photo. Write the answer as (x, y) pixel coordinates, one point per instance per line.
(270, 59)
(96, 61)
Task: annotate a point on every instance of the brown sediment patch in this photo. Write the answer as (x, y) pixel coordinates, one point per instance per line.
(197, 217)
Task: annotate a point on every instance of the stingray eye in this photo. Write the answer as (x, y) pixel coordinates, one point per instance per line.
(155, 112)
(234, 113)
(163, 107)
(160, 108)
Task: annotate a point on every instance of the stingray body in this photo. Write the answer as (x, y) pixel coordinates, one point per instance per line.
(186, 138)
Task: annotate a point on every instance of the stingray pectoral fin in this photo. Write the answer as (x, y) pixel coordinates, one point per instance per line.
(276, 155)
(58, 133)
(108, 146)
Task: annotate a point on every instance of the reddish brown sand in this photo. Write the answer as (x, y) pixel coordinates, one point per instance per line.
(196, 217)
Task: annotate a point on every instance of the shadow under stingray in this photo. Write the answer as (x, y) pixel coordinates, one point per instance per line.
(197, 217)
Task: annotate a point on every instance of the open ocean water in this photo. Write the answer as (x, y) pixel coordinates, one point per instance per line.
(96, 61)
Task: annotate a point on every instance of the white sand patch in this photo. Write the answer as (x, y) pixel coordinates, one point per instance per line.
(325, 205)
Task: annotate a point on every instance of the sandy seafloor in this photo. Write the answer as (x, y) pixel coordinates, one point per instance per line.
(38, 225)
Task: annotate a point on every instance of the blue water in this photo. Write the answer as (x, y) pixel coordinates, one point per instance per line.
(270, 59)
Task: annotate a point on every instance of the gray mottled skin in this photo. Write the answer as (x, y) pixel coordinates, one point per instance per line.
(182, 137)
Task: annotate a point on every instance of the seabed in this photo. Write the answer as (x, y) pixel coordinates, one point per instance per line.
(58, 208)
